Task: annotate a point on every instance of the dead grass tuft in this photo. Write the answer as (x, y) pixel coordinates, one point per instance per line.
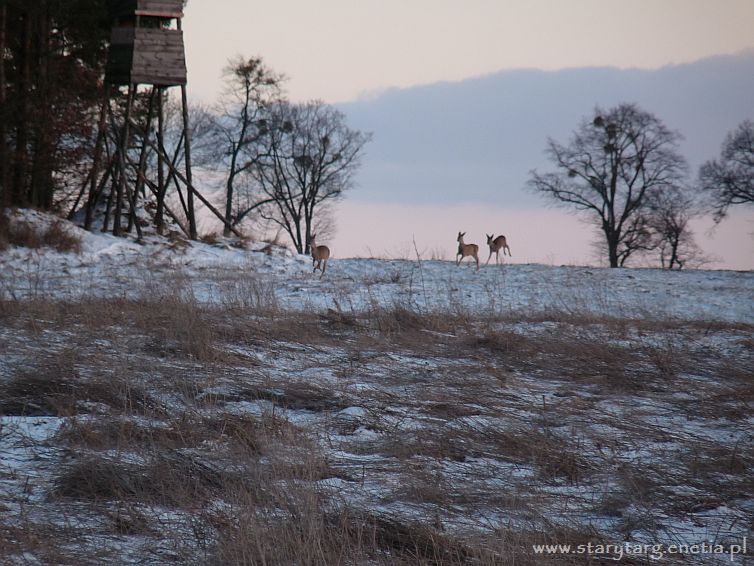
(499, 342)
(554, 456)
(58, 236)
(177, 326)
(55, 390)
(427, 443)
(210, 237)
(249, 292)
(168, 478)
(404, 321)
(418, 542)
(23, 234)
(315, 536)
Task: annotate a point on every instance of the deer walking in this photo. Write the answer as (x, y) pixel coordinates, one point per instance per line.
(464, 250)
(320, 255)
(499, 243)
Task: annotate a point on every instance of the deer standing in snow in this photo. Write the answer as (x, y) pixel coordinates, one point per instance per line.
(497, 244)
(320, 255)
(464, 250)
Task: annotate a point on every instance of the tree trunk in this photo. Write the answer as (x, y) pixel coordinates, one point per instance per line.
(229, 194)
(18, 186)
(94, 190)
(4, 178)
(612, 244)
(673, 255)
(41, 182)
(613, 253)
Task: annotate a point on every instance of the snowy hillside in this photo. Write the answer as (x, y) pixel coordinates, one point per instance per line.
(178, 402)
(110, 267)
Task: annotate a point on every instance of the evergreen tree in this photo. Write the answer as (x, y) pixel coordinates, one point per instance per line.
(52, 53)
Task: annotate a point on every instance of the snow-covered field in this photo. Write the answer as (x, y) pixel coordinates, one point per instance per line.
(195, 403)
(115, 267)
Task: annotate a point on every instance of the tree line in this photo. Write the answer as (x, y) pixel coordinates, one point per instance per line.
(285, 162)
(623, 170)
(281, 164)
(51, 57)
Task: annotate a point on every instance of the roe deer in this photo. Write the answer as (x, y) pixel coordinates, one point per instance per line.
(499, 243)
(320, 255)
(466, 250)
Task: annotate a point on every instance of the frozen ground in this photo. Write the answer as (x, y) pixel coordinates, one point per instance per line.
(195, 404)
(114, 267)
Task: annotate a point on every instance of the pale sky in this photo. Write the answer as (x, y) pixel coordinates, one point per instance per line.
(338, 50)
(342, 50)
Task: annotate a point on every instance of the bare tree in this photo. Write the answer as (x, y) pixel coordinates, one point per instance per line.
(4, 164)
(730, 180)
(670, 215)
(613, 163)
(310, 158)
(251, 88)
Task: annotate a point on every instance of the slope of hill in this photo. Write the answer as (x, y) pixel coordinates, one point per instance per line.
(176, 402)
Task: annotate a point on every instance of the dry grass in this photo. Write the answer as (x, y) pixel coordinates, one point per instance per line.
(169, 479)
(53, 388)
(19, 233)
(205, 433)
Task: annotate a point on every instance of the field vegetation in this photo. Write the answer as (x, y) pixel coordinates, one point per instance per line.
(158, 428)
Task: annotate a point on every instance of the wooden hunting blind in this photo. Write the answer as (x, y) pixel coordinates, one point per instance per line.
(145, 48)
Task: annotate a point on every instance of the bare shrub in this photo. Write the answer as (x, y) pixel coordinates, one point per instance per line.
(168, 478)
(553, 455)
(309, 534)
(58, 236)
(24, 234)
(177, 325)
(54, 388)
(250, 292)
(210, 238)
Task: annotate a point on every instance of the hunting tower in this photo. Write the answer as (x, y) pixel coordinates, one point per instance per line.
(146, 48)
